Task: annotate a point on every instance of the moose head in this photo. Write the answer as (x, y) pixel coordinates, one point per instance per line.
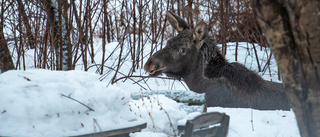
(182, 53)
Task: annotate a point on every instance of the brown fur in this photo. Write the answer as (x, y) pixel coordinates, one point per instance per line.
(193, 57)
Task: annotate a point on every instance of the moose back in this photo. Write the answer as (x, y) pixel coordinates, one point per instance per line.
(193, 57)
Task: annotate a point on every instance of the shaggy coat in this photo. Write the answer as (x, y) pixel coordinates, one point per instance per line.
(193, 57)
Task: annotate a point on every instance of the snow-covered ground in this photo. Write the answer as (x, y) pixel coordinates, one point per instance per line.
(35, 103)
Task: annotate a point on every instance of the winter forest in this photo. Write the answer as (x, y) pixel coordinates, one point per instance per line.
(64, 31)
(76, 67)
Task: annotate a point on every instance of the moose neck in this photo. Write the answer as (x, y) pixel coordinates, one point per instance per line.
(197, 78)
(216, 67)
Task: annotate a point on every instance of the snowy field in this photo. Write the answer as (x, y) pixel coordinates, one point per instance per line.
(35, 103)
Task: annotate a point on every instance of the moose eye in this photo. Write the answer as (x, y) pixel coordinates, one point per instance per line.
(183, 50)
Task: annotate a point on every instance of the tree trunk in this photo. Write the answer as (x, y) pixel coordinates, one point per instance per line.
(26, 24)
(5, 57)
(292, 29)
(60, 32)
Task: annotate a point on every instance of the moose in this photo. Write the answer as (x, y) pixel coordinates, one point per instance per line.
(193, 57)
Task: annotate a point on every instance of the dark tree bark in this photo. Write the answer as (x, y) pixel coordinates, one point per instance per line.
(26, 24)
(292, 29)
(5, 57)
(61, 35)
(223, 26)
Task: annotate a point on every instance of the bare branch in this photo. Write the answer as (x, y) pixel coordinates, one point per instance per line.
(77, 101)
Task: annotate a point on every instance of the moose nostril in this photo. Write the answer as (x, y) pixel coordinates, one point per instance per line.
(151, 66)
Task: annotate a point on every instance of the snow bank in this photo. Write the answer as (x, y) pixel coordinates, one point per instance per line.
(161, 113)
(31, 104)
(245, 122)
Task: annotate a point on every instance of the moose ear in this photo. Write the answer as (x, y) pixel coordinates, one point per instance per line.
(176, 22)
(200, 31)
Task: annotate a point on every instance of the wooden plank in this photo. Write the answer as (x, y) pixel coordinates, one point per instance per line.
(189, 129)
(124, 132)
(209, 132)
(222, 130)
(207, 119)
(201, 126)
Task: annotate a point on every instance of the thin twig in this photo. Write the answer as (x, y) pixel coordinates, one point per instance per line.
(143, 77)
(171, 125)
(95, 122)
(77, 101)
(105, 75)
(252, 120)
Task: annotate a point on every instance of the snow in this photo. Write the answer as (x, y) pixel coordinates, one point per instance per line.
(264, 123)
(181, 95)
(161, 112)
(148, 134)
(32, 104)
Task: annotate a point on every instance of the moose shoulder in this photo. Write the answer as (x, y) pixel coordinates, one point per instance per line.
(193, 56)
